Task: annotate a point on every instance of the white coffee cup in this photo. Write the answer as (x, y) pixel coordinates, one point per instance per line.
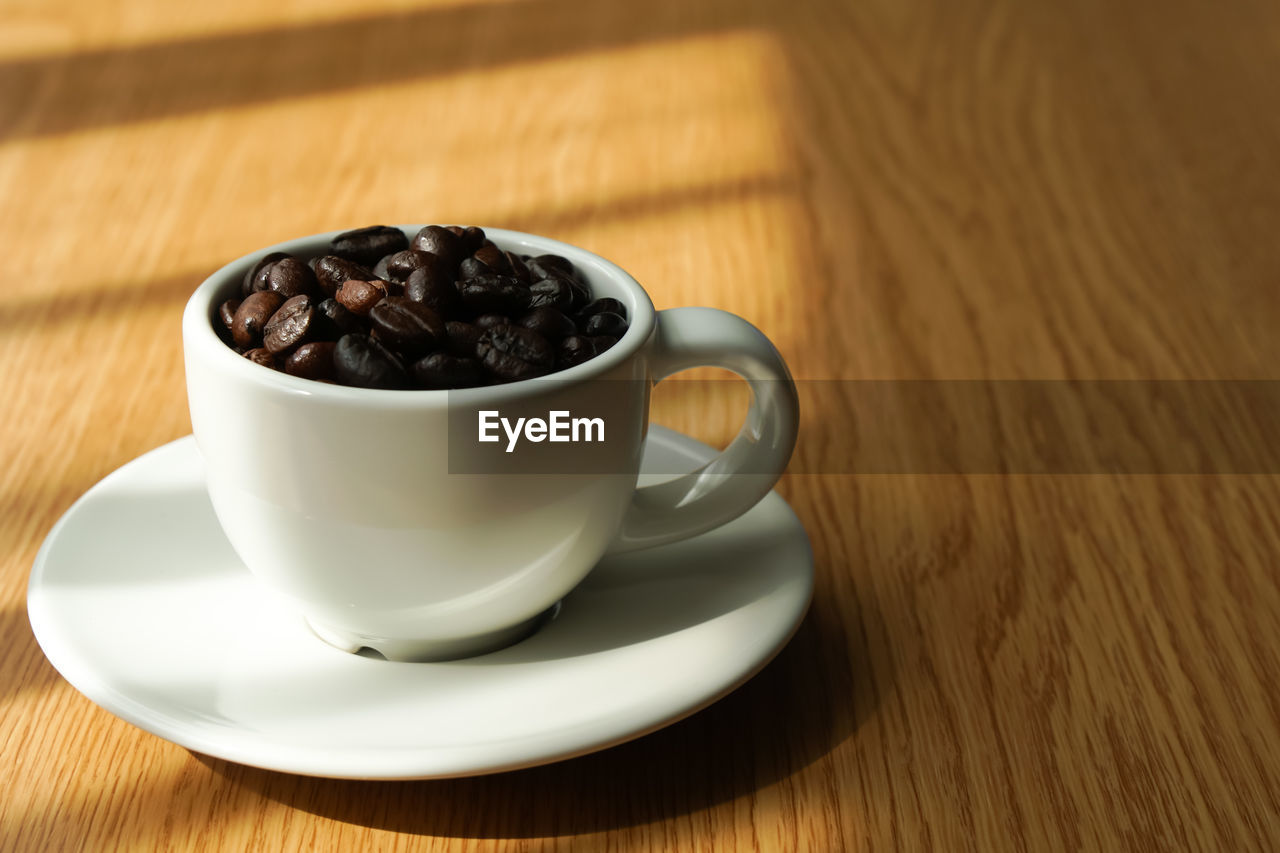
(355, 503)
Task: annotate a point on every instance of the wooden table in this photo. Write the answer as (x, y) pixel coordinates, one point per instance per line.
(1085, 658)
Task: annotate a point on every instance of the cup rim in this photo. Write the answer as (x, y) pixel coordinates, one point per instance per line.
(201, 339)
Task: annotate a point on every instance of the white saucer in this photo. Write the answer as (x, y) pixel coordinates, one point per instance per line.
(138, 600)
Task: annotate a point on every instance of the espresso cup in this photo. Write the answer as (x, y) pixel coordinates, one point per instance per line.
(393, 524)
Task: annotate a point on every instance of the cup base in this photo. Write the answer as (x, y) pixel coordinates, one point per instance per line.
(426, 651)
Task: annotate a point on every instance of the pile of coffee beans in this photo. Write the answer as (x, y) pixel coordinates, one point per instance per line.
(447, 309)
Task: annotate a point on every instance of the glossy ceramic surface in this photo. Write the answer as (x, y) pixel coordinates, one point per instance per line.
(365, 507)
(137, 598)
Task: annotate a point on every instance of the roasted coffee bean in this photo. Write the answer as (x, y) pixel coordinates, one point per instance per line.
(406, 326)
(605, 323)
(290, 277)
(367, 245)
(359, 297)
(551, 293)
(256, 278)
(472, 237)
(493, 258)
(550, 266)
(442, 243)
(548, 322)
(580, 294)
(380, 272)
(473, 268)
(573, 350)
(360, 360)
(227, 313)
(433, 287)
(600, 306)
(518, 269)
(462, 337)
(331, 271)
(514, 352)
(576, 349)
(494, 294)
(252, 315)
(378, 306)
(261, 356)
(289, 326)
(442, 370)
(401, 264)
(312, 361)
(332, 321)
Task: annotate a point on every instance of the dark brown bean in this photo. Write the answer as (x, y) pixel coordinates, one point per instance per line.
(576, 349)
(473, 268)
(367, 245)
(258, 355)
(513, 352)
(605, 323)
(331, 271)
(289, 326)
(400, 264)
(518, 268)
(312, 360)
(290, 277)
(581, 295)
(433, 287)
(494, 294)
(462, 337)
(449, 299)
(359, 297)
(442, 243)
(442, 370)
(227, 312)
(493, 258)
(252, 316)
(360, 360)
(602, 305)
(551, 293)
(572, 351)
(472, 237)
(550, 266)
(256, 278)
(332, 321)
(407, 327)
(550, 323)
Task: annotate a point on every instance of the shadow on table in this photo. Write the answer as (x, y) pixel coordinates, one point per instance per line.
(106, 86)
(795, 712)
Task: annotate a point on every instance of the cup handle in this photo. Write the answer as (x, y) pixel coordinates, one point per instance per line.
(746, 470)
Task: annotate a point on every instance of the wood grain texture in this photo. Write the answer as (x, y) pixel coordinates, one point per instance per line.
(890, 189)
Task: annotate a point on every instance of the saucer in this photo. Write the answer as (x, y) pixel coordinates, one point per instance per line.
(137, 598)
